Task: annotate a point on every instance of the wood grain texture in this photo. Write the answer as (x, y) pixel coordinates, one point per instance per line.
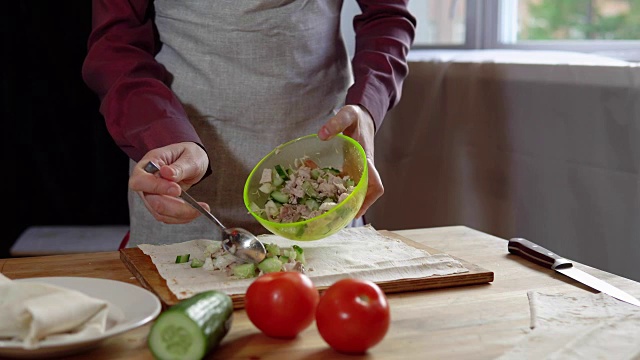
(146, 272)
(463, 322)
(94, 265)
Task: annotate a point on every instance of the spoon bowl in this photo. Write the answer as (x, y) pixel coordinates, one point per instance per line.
(237, 241)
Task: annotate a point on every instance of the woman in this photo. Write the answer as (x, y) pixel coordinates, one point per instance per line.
(207, 88)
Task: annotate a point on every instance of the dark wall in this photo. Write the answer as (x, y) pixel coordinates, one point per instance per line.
(61, 165)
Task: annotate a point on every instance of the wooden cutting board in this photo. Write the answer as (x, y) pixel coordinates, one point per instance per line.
(145, 271)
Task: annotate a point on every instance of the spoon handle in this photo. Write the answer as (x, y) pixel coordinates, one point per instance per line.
(152, 168)
(186, 197)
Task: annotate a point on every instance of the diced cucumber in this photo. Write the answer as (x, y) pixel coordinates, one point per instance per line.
(299, 254)
(192, 327)
(272, 249)
(312, 204)
(196, 263)
(309, 190)
(276, 179)
(290, 254)
(270, 264)
(315, 174)
(332, 170)
(279, 196)
(283, 174)
(182, 258)
(244, 271)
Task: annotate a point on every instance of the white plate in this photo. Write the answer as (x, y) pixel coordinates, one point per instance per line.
(132, 305)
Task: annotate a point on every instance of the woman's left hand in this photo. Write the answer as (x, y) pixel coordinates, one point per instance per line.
(356, 122)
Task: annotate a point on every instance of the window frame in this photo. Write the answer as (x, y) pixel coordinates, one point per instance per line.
(483, 24)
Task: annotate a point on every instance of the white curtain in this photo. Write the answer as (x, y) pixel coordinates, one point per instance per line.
(540, 145)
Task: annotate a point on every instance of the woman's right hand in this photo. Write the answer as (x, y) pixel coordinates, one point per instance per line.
(181, 166)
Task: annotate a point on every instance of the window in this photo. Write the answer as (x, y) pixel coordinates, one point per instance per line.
(606, 27)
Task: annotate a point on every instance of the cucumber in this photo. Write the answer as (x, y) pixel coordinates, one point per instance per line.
(197, 263)
(192, 327)
(279, 196)
(244, 271)
(299, 254)
(272, 249)
(332, 170)
(280, 171)
(276, 179)
(312, 204)
(309, 190)
(270, 264)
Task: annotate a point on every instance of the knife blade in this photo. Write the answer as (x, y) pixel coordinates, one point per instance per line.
(541, 256)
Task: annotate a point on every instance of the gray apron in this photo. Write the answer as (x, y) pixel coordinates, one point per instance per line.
(251, 75)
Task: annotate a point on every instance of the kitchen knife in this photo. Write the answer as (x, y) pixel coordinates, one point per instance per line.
(549, 259)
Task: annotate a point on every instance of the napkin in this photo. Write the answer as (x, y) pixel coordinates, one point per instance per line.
(32, 312)
(579, 326)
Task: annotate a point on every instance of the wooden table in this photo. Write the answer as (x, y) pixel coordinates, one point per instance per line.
(469, 322)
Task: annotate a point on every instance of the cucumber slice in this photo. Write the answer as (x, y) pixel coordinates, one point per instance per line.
(283, 174)
(196, 263)
(271, 264)
(299, 254)
(244, 271)
(332, 170)
(309, 190)
(276, 179)
(279, 196)
(312, 204)
(272, 249)
(192, 327)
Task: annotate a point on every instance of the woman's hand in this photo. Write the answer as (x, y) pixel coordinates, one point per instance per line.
(356, 122)
(181, 166)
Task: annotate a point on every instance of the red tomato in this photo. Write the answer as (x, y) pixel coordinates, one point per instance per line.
(281, 304)
(353, 315)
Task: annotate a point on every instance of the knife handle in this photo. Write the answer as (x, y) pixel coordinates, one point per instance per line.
(537, 254)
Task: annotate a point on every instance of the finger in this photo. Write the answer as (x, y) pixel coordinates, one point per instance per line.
(346, 117)
(140, 180)
(188, 168)
(184, 163)
(171, 210)
(153, 209)
(375, 190)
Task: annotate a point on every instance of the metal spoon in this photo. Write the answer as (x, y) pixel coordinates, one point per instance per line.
(237, 241)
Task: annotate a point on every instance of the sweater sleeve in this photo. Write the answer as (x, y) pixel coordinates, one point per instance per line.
(384, 33)
(140, 110)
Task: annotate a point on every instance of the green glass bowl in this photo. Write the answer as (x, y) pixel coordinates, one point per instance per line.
(341, 152)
